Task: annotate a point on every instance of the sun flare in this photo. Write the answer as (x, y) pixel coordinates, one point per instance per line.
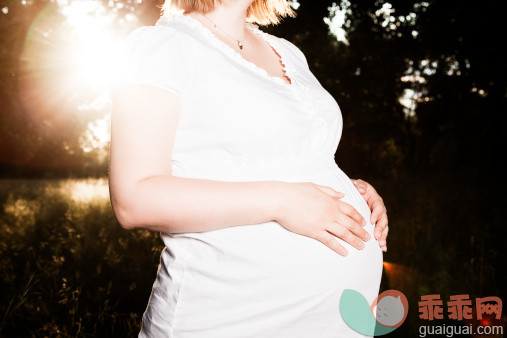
(93, 50)
(71, 59)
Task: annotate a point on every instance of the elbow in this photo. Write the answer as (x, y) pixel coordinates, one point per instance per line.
(125, 214)
(134, 211)
(131, 215)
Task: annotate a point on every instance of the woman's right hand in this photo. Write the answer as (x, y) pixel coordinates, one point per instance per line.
(317, 211)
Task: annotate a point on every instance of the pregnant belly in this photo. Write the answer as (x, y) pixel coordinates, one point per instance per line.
(272, 246)
(240, 265)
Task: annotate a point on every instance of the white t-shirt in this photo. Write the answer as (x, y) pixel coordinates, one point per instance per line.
(238, 123)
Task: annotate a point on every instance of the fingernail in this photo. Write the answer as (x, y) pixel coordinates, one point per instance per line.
(382, 243)
(367, 236)
(363, 222)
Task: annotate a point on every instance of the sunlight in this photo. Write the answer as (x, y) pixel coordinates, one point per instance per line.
(294, 4)
(96, 136)
(386, 18)
(78, 44)
(93, 61)
(409, 102)
(22, 211)
(92, 51)
(338, 20)
(86, 191)
(416, 76)
(70, 59)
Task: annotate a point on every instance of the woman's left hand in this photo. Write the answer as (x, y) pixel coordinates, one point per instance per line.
(378, 211)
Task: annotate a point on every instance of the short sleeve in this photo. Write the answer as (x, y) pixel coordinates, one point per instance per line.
(297, 53)
(158, 56)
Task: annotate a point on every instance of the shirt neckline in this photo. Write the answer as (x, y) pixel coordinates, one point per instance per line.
(197, 25)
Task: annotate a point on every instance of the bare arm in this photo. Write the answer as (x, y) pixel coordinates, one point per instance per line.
(177, 204)
(144, 194)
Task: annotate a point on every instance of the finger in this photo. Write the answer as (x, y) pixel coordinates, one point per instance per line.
(377, 206)
(375, 213)
(380, 226)
(331, 242)
(330, 191)
(383, 238)
(360, 186)
(373, 197)
(352, 212)
(347, 221)
(367, 186)
(342, 232)
(361, 233)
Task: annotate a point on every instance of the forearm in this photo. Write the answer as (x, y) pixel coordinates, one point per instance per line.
(174, 204)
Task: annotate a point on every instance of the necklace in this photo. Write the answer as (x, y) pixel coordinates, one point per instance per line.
(238, 42)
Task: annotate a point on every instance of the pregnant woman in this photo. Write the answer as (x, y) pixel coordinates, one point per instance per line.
(223, 141)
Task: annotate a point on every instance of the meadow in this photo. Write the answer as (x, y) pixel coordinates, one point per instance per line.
(69, 270)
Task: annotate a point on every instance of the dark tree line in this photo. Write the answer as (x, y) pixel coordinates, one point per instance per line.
(456, 127)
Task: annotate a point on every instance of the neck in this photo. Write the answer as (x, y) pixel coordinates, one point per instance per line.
(229, 16)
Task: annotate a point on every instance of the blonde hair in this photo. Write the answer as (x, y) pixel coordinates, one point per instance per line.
(262, 12)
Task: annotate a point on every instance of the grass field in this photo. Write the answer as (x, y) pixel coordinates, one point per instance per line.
(69, 270)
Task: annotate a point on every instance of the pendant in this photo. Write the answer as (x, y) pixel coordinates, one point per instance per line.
(240, 45)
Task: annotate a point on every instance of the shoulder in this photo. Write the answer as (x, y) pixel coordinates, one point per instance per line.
(160, 38)
(158, 55)
(291, 49)
(295, 51)
(162, 46)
